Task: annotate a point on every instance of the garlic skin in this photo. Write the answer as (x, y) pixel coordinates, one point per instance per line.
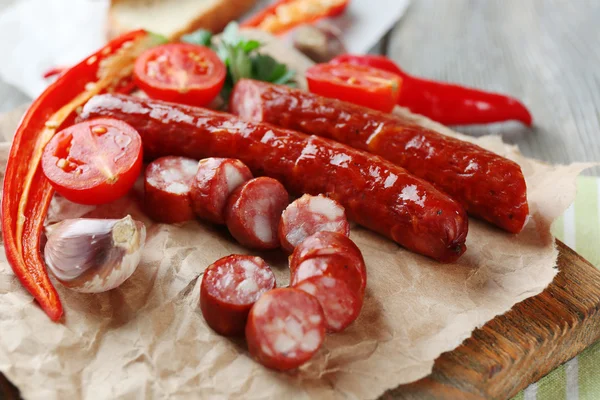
(94, 255)
(320, 42)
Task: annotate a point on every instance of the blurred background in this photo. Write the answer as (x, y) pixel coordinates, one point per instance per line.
(543, 52)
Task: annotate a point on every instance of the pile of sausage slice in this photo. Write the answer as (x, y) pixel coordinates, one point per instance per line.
(284, 327)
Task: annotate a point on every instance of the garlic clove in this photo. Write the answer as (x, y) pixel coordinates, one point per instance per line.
(94, 255)
(320, 42)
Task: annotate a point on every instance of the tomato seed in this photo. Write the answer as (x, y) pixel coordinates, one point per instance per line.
(99, 130)
(51, 124)
(122, 141)
(92, 60)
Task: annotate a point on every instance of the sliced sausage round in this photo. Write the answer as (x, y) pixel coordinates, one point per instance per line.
(215, 179)
(329, 254)
(167, 185)
(308, 215)
(340, 304)
(285, 328)
(230, 286)
(253, 211)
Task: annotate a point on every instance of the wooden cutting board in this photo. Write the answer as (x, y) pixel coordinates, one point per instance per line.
(513, 350)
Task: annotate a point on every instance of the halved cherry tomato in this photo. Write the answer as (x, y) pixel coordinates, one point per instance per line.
(365, 86)
(180, 72)
(93, 162)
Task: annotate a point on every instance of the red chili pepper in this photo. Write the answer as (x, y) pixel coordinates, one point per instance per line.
(53, 72)
(294, 12)
(27, 192)
(446, 103)
(126, 86)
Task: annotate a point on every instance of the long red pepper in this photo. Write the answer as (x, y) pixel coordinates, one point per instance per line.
(53, 72)
(284, 15)
(27, 193)
(446, 103)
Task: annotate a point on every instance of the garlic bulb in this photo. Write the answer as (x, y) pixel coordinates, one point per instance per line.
(320, 42)
(94, 255)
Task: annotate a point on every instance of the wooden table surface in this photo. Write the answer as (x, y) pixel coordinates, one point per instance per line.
(544, 52)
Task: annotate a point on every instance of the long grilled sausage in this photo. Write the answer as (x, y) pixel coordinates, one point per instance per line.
(488, 186)
(375, 193)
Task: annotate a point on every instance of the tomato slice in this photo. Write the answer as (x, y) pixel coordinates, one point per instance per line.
(362, 85)
(93, 162)
(180, 72)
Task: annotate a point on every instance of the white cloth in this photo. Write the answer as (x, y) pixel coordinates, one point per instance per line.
(40, 34)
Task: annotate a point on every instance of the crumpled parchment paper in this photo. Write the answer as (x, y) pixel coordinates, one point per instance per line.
(147, 339)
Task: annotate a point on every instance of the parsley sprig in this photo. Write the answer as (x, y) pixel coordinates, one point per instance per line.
(242, 58)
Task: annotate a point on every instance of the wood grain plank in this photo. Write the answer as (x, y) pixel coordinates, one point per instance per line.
(520, 347)
(545, 52)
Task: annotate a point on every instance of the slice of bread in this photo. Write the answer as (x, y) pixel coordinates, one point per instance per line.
(173, 18)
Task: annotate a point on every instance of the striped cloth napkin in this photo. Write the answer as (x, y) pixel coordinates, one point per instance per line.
(578, 228)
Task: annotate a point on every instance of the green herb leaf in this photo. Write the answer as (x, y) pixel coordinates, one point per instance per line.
(266, 68)
(224, 51)
(200, 37)
(286, 79)
(158, 38)
(242, 59)
(227, 88)
(250, 45)
(232, 38)
(240, 65)
(231, 34)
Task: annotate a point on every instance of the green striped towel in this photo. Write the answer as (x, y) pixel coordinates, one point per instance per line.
(578, 228)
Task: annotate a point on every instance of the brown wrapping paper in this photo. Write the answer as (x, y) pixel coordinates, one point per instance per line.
(147, 339)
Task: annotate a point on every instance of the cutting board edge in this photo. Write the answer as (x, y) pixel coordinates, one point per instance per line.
(486, 366)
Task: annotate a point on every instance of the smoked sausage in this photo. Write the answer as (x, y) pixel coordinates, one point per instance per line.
(215, 180)
(308, 215)
(253, 211)
(487, 185)
(167, 183)
(341, 305)
(375, 193)
(285, 328)
(229, 288)
(329, 254)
